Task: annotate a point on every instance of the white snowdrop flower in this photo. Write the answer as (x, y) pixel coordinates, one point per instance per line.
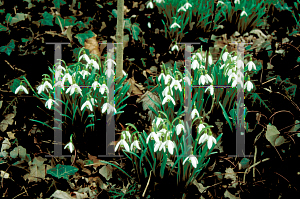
(248, 85)
(192, 159)
(174, 25)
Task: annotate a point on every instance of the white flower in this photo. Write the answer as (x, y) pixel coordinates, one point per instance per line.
(248, 85)
(236, 1)
(94, 101)
(60, 84)
(69, 77)
(175, 25)
(202, 79)
(108, 107)
(161, 75)
(86, 58)
(181, 8)
(174, 47)
(124, 73)
(103, 87)
(194, 113)
(70, 146)
(149, 25)
(240, 64)
(200, 127)
(168, 98)
(158, 1)
(220, 2)
(95, 84)
(176, 84)
(210, 62)
(58, 70)
(109, 62)
(21, 88)
(158, 121)
(192, 159)
(150, 5)
(123, 143)
(167, 78)
(135, 144)
(153, 136)
(211, 89)
(47, 84)
(84, 73)
(169, 144)
(195, 65)
(166, 91)
(251, 65)
(126, 135)
(203, 138)
(49, 103)
(208, 79)
(74, 88)
(225, 56)
(210, 141)
(187, 80)
(109, 71)
(232, 75)
(179, 127)
(244, 13)
(94, 63)
(187, 5)
(88, 105)
(157, 145)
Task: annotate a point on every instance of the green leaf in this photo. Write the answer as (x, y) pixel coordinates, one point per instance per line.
(226, 116)
(15, 85)
(83, 36)
(47, 19)
(3, 28)
(62, 171)
(18, 151)
(19, 17)
(152, 50)
(57, 3)
(8, 48)
(114, 12)
(245, 163)
(135, 31)
(273, 136)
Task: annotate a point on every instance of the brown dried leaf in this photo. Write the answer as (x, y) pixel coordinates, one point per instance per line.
(92, 45)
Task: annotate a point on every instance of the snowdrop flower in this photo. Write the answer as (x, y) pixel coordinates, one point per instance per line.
(161, 75)
(126, 134)
(195, 65)
(86, 58)
(60, 84)
(150, 5)
(44, 86)
(84, 73)
(68, 77)
(93, 102)
(225, 56)
(176, 84)
(211, 89)
(158, 1)
(123, 143)
(192, 159)
(49, 103)
(175, 25)
(175, 47)
(95, 84)
(109, 71)
(202, 79)
(58, 72)
(232, 75)
(74, 88)
(149, 25)
(188, 80)
(135, 144)
(93, 63)
(70, 145)
(251, 65)
(166, 91)
(153, 136)
(88, 105)
(179, 127)
(168, 98)
(209, 138)
(200, 127)
(21, 88)
(181, 8)
(110, 62)
(240, 64)
(158, 121)
(236, 1)
(157, 145)
(169, 144)
(187, 5)
(208, 79)
(248, 85)
(167, 78)
(220, 3)
(244, 13)
(195, 112)
(109, 108)
(103, 87)
(210, 61)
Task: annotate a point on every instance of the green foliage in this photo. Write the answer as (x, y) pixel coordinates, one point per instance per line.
(62, 171)
(83, 36)
(47, 21)
(8, 48)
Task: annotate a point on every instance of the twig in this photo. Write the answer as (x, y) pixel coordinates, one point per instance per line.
(147, 184)
(255, 153)
(19, 195)
(248, 169)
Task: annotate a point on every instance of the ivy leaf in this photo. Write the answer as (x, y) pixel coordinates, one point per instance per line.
(62, 171)
(9, 48)
(18, 151)
(19, 17)
(114, 12)
(83, 36)
(273, 136)
(3, 28)
(47, 19)
(135, 31)
(58, 2)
